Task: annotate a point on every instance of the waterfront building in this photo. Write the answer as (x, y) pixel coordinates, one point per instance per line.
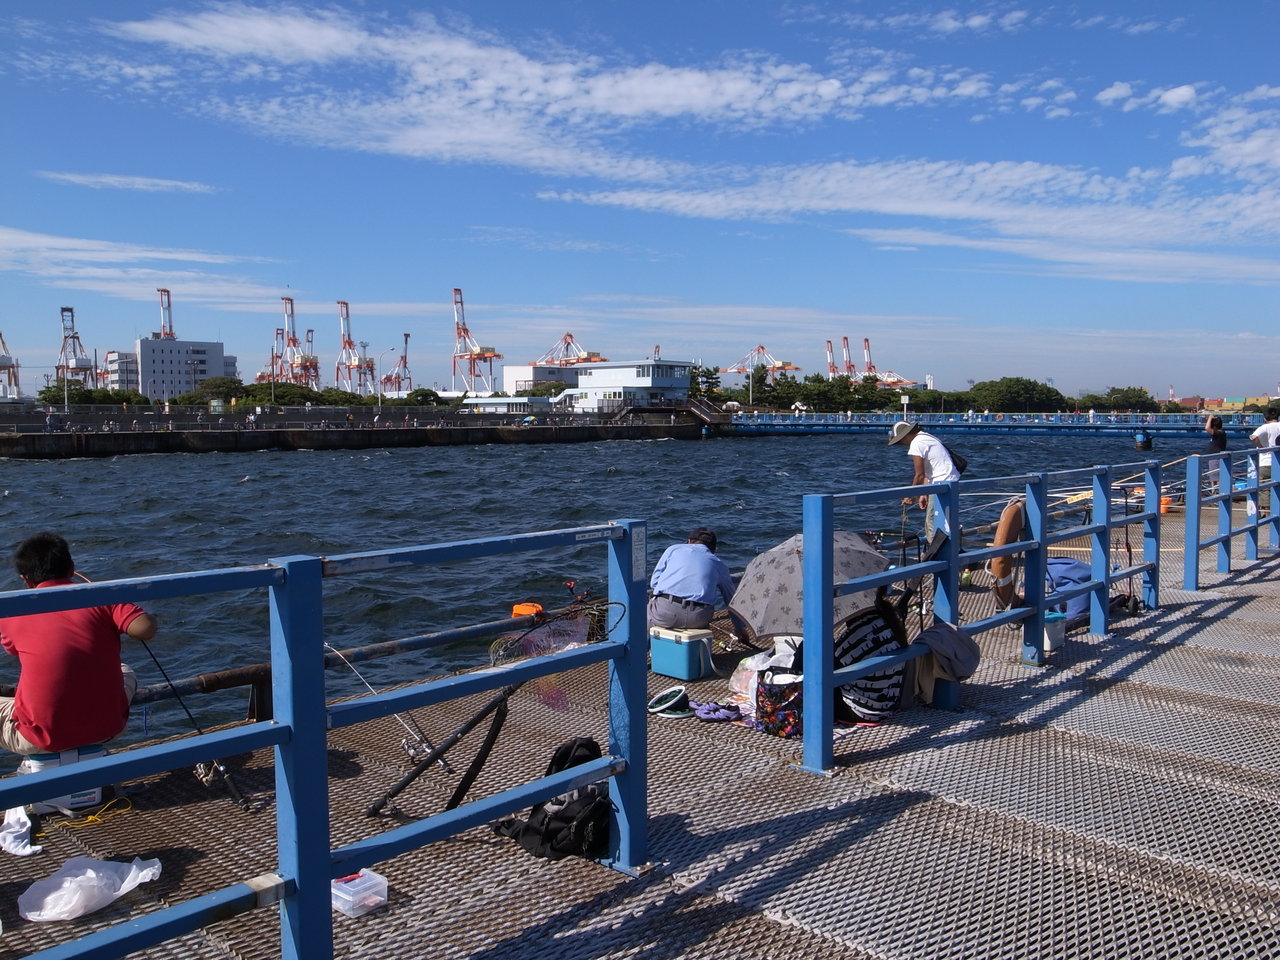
(165, 367)
(598, 386)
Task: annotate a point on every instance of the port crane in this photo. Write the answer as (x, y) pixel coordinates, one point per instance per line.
(399, 380)
(567, 352)
(354, 370)
(760, 357)
(832, 370)
(469, 355)
(73, 362)
(884, 378)
(166, 315)
(9, 371)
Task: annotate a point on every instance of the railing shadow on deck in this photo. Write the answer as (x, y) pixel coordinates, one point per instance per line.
(297, 733)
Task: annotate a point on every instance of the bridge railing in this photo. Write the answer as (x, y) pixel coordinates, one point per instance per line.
(306, 863)
(1211, 487)
(821, 587)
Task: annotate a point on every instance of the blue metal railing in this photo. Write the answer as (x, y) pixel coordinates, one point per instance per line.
(306, 863)
(1210, 486)
(821, 677)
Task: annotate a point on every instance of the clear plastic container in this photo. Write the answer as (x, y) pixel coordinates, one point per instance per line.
(358, 894)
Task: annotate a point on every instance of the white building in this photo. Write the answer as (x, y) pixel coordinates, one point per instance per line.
(603, 386)
(165, 367)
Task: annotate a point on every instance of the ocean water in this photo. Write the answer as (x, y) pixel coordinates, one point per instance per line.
(137, 516)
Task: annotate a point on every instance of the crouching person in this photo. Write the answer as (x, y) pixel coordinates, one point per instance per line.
(72, 690)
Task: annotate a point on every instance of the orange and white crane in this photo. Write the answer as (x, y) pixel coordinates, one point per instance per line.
(886, 378)
(297, 364)
(347, 371)
(469, 355)
(166, 315)
(398, 379)
(9, 371)
(73, 362)
(760, 357)
(273, 372)
(832, 370)
(849, 369)
(568, 352)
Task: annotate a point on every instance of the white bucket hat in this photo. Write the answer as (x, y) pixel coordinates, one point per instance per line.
(901, 430)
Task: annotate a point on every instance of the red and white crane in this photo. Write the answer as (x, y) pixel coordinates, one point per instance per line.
(166, 315)
(353, 372)
(886, 378)
(568, 352)
(468, 355)
(73, 362)
(399, 379)
(760, 357)
(849, 369)
(9, 371)
(832, 370)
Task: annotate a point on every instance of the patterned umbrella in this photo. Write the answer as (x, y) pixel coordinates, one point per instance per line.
(769, 598)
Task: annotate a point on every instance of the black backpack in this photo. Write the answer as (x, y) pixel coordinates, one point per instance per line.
(573, 824)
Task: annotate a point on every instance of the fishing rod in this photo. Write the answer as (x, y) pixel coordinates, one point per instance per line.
(204, 771)
(497, 706)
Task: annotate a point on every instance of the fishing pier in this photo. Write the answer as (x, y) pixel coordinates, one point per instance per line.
(1114, 798)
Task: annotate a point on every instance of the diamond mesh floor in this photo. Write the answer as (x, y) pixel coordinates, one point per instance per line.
(1121, 802)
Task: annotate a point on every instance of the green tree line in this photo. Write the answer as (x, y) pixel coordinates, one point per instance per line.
(863, 395)
(227, 389)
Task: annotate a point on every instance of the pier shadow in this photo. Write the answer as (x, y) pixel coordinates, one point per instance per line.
(657, 918)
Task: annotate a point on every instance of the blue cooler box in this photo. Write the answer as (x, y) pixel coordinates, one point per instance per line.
(682, 654)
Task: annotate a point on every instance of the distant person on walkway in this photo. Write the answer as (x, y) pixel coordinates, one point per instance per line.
(1267, 435)
(1217, 444)
(686, 581)
(932, 464)
(73, 691)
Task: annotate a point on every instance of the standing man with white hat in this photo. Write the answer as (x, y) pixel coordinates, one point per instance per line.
(933, 464)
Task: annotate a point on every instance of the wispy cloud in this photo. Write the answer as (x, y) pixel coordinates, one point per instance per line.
(128, 270)
(111, 181)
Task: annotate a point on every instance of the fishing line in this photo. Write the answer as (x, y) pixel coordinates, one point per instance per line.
(204, 775)
(417, 744)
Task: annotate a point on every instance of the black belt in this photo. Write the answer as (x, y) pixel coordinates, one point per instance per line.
(682, 601)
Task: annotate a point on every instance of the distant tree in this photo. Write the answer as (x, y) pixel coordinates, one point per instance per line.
(72, 391)
(1136, 399)
(422, 397)
(281, 394)
(219, 388)
(333, 397)
(547, 389)
(1016, 395)
(704, 383)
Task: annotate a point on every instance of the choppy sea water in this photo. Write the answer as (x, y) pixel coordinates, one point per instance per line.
(136, 516)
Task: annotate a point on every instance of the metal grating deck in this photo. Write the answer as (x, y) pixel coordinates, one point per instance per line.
(1123, 802)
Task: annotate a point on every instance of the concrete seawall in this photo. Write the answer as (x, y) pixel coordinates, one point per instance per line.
(62, 446)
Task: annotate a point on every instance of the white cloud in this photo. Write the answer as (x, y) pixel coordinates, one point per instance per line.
(123, 269)
(110, 181)
(1176, 98)
(1118, 91)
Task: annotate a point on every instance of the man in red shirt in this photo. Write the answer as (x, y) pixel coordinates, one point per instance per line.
(73, 690)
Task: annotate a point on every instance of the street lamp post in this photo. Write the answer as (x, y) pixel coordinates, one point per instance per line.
(377, 375)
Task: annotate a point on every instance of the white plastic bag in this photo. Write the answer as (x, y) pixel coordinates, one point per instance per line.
(83, 885)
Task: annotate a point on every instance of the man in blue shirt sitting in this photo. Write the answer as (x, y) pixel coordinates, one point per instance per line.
(685, 583)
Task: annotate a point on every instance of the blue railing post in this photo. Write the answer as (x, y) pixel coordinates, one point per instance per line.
(1099, 598)
(1033, 570)
(1191, 529)
(628, 718)
(818, 576)
(1151, 537)
(302, 774)
(946, 587)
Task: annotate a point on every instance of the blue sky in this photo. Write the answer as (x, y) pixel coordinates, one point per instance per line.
(1084, 193)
